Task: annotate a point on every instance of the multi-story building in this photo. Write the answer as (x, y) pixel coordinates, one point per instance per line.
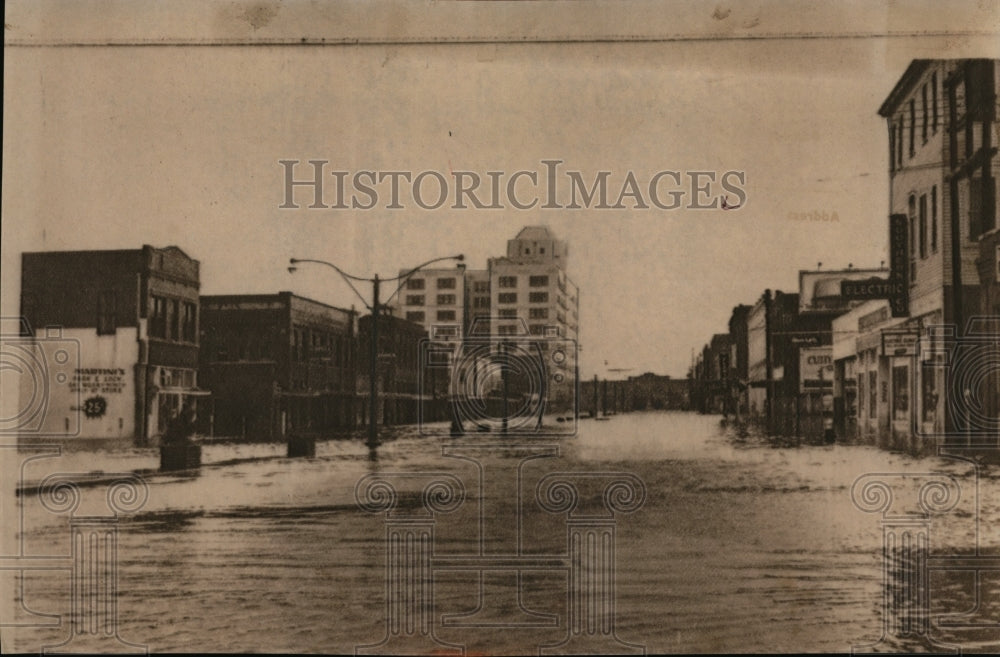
(715, 375)
(524, 294)
(117, 335)
(435, 298)
(277, 364)
(530, 287)
(773, 362)
(942, 146)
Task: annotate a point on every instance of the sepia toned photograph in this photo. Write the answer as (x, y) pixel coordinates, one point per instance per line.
(468, 327)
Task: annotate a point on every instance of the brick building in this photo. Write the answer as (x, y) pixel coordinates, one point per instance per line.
(278, 364)
(129, 320)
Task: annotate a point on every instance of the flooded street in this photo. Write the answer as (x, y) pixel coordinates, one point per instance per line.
(735, 547)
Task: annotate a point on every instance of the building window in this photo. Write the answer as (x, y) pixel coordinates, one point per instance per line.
(861, 395)
(538, 281)
(507, 312)
(508, 281)
(415, 284)
(189, 325)
(872, 394)
(892, 148)
(158, 318)
(481, 302)
(923, 225)
(481, 286)
(414, 299)
(415, 315)
(538, 313)
(934, 101)
(912, 206)
(507, 329)
(297, 344)
(446, 315)
(446, 283)
(930, 396)
(926, 117)
(538, 297)
(913, 127)
(508, 297)
(900, 393)
(899, 144)
(107, 319)
(173, 319)
(934, 221)
(446, 299)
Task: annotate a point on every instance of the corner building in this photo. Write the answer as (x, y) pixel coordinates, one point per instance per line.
(941, 120)
(129, 320)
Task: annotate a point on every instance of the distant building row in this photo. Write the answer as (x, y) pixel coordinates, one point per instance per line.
(920, 357)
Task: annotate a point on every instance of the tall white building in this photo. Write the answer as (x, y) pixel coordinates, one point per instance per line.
(526, 293)
(527, 287)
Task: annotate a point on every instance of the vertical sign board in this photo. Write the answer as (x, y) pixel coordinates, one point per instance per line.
(897, 287)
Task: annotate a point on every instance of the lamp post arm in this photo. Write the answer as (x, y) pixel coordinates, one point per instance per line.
(347, 277)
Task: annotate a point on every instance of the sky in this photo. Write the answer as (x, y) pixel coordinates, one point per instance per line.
(161, 138)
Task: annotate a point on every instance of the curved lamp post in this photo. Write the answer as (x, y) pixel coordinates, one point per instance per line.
(375, 308)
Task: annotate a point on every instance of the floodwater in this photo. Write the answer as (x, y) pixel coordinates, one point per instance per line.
(737, 546)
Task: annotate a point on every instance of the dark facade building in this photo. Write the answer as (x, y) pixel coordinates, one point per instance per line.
(739, 359)
(129, 320)
(773, 362)
(401, 387)
(712, 376)
(646, 392)
(278, 364)
(656, 392)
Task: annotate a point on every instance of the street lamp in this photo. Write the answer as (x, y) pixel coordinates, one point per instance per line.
(376, 309)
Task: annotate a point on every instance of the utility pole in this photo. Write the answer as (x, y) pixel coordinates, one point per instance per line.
(503, 376)
(376, 310)
(373, 369)
(769, 364)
